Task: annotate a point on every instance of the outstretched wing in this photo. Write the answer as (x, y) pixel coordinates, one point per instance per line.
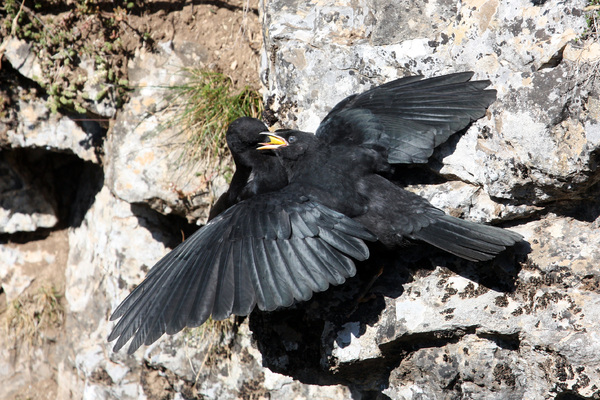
(408, 117)
(268, 250)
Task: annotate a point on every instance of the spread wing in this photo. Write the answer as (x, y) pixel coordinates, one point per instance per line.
(408, 117)
(268, 250)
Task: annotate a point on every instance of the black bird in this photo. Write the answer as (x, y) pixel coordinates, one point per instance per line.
(278, 234)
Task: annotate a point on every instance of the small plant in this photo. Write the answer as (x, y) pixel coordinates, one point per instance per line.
(29, 316)
(592, 15)
(204, 107)
(212, 336)
(61, 41)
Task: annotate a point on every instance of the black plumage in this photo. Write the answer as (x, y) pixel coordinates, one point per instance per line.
(255, 172)
(408, 117)
(268, 250)
(345, 177)
(292, 224)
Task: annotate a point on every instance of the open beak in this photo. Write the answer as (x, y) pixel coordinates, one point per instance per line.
(275, 142)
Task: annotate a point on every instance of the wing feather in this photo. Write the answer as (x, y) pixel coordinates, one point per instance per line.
(270, 251)
(408, 117)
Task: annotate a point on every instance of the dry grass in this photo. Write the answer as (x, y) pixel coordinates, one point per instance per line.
(592, 14)
(30, 316)
(213, 336)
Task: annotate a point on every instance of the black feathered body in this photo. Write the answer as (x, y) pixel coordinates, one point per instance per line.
(270, 251)
(347, 179)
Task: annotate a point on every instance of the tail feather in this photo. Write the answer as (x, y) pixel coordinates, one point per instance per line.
(469, 240)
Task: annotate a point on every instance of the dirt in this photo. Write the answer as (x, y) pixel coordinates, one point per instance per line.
(230, 31)
(68, 35)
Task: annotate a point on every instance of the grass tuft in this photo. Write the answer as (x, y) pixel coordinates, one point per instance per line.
(592, 15)
(30, 316)
(214, 337)
(204, 107)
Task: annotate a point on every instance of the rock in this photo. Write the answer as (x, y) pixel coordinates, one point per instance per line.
(432, 326)
(506, 341)
(21, 56)
(341, 45)
(38, 128)
(463, 200)
(145, 153)
(29, 352)
(515, 327)
(221, 368)
(98, 98)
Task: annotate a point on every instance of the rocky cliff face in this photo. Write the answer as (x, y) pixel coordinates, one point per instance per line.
(88, 208)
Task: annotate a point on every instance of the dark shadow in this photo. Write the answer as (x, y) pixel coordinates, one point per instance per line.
(66, 184)
(296, 341)
(179, 5)
(570, 395)
(299, 341)
(64, 181)
(95, 126)
(585, 207)
(79, 195)
(576, 199)
(369, 395)
(169, 229)
(415, 174)
(14, 85)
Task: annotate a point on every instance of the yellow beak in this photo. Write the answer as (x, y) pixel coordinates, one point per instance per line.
(275, 142)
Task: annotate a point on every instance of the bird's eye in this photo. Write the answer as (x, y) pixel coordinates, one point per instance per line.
(291, 139)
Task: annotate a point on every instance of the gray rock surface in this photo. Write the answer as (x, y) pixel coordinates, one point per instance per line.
(23, 58)
(534, 133)
(142, 136)
(38, 128)
(523, 326)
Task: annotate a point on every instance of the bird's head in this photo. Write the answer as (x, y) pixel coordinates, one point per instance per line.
(244, 134)
(288, 144)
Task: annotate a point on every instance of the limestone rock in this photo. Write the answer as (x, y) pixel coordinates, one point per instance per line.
(523, 326)
(220, 368)
(146, 157)
(532, 147)
(23, 58)
(437, 327)
(37, 127)
(25, 364)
